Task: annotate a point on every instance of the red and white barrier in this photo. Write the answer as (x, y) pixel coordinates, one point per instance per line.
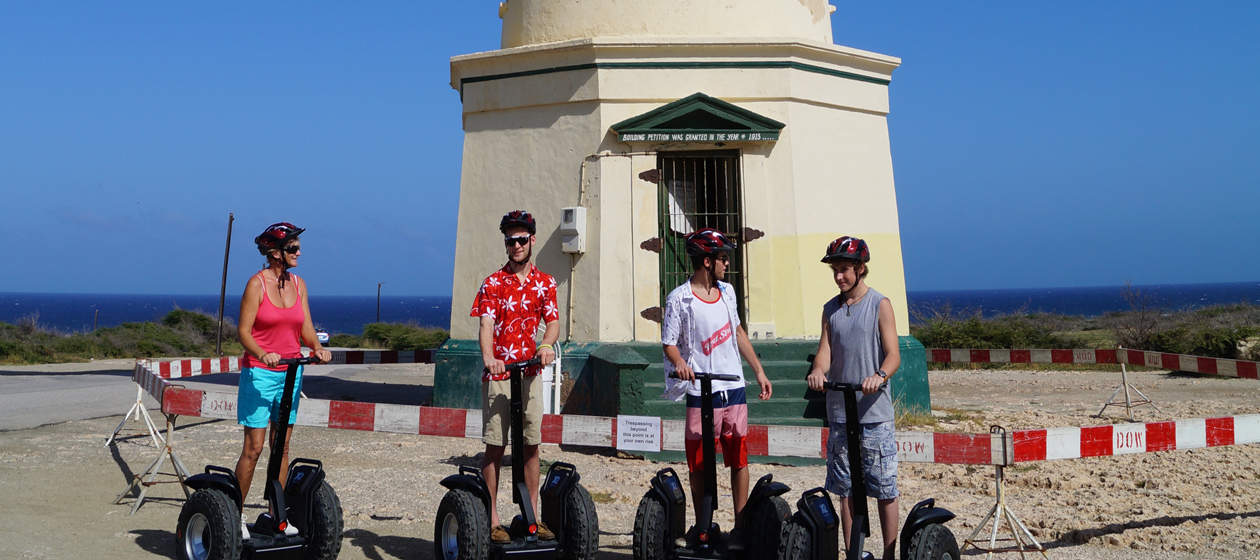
(594, 431)
(1161, 360)
(174, 369)
(770, 441)
(1123, 439)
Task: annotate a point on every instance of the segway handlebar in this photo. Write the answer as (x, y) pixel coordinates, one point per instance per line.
(304, 360)
(837, 386)
(517, 365)
(711, 376)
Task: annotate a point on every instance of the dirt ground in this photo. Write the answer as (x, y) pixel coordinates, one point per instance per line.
(58, 482)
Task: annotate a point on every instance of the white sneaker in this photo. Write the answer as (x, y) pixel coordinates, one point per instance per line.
(244, 528)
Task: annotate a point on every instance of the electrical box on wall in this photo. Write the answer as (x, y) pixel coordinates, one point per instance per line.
(573, 229)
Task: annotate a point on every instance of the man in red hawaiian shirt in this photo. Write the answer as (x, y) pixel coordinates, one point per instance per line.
(510, 304)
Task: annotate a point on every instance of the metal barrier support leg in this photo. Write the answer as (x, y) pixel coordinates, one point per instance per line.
(140, 412)
(1129, 403)
(1023, 539)
(153, 469)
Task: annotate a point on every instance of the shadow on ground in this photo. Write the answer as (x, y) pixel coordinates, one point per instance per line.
(376, 547)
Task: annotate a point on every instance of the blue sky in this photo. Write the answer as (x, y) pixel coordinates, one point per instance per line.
(1035, 144)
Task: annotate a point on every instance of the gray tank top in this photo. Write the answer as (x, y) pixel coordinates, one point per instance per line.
(856, 353)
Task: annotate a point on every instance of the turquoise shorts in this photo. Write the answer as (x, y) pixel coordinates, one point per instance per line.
(258, 398)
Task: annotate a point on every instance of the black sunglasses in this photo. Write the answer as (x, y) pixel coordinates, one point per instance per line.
(516, 240)
(292, 249)
(724, 257)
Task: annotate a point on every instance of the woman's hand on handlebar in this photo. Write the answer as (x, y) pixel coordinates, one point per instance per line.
(270, 359)
(816, 380)
(323, 355)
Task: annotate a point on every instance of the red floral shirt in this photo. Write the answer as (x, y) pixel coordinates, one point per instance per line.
(516, 308)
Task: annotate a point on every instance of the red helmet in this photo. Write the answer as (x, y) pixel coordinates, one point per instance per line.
(708, 241)
(276, 236)
(517, 218)
(847, 247)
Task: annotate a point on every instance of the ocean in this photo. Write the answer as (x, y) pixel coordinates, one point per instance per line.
(348, 314)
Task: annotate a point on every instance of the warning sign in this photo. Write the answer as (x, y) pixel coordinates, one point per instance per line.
(639, 433)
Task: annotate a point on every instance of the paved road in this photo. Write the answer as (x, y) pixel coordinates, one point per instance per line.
(33, 396)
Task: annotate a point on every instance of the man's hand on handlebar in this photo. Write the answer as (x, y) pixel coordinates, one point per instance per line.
(816, 380)
(546, 356)
(684, 372)
(493, 366)
(871, 384)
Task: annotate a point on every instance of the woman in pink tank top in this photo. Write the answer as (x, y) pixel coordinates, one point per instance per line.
(275, 321)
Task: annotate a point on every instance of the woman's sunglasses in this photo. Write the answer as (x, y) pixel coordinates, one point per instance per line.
(516, 240)
(293, 249)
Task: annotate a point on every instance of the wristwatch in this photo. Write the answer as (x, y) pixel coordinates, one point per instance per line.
(881, 373)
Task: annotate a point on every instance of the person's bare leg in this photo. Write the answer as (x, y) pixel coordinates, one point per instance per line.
(532, 468)
(739, 493)
(888, 526)
(252, 448)
(490, 463)
(284, 459)
(846, 518)
(697, 490)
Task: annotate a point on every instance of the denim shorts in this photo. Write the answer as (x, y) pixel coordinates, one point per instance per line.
(879, 461)
(258, 397)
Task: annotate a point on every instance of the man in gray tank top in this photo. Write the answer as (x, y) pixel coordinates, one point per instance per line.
(859, 345)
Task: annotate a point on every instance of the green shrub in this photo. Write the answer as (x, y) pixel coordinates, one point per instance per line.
(341, 340)
(403, 336)
(942, 330)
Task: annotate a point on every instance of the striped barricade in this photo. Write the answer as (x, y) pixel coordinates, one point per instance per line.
(1160, 360)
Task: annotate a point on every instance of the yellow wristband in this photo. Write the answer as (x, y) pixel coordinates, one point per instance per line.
(546, 346)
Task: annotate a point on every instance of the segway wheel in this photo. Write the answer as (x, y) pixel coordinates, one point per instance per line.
(462, 528)
(763, 529)
(209, 527)
(795, 542)
(650, 531)
(324, 534)
(933, 542)
(581, 530)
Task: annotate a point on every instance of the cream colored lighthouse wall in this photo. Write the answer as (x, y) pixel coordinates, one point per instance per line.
(535, 137)
(534, 22)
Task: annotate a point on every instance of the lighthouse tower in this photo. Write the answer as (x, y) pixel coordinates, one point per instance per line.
(623, 126)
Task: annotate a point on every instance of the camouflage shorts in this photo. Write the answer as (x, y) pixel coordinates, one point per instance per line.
(879, 461)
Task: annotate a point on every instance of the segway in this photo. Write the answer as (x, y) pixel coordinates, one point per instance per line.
(812, 533)
(210, 527)
(462, 528)
(662, 515)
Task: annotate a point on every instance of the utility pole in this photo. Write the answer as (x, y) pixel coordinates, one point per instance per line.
(218, 338)
(378, 301)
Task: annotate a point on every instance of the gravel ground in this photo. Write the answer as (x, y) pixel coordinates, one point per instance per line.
(60, 480)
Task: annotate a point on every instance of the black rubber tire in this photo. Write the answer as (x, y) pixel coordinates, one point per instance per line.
(581, 531)
(324, 534)
(933, 542)
(215, 527)
(472, 532)
(795, 542)
(763, 527)
(650, 532)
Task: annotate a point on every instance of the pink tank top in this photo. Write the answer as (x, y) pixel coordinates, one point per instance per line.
(277, 329)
